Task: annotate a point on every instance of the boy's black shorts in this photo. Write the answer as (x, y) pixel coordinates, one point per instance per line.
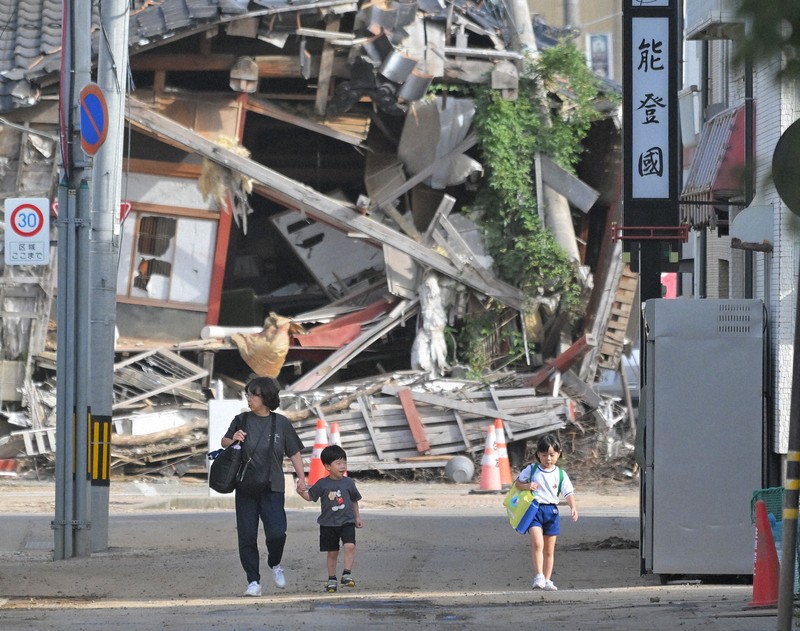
(329, 536)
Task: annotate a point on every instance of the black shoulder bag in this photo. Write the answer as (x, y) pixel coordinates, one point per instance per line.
(253, 480)
(225, 465)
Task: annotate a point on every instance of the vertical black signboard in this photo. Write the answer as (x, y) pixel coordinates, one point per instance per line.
(650, 112)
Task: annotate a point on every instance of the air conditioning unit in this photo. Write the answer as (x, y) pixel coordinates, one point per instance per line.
(713, 19)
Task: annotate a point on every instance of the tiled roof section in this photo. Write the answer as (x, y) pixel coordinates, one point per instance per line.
(30, 31)
(30, 36)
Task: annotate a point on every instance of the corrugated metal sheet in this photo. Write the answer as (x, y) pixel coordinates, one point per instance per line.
(716, 171)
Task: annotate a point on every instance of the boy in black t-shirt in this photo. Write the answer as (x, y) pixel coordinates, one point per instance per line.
(339, 514)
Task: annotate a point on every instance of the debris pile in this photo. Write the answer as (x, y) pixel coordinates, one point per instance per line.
(391, 254)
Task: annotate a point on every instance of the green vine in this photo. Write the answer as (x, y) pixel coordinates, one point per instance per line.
(526, 254)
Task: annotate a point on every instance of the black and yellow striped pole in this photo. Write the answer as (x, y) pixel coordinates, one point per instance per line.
(789, 544)
(100, 450)
(791, 495)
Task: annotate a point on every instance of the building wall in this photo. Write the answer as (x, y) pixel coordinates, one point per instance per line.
(775, 274)
(775, 109)
(718, 251)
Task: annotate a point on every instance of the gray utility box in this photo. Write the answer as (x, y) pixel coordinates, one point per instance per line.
(702, 435)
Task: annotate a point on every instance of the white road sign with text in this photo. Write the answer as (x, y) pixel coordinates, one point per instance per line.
(27, 230)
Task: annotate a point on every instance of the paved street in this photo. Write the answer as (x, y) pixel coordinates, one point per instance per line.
(428, 555)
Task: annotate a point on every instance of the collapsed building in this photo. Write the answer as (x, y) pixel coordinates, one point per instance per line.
(294, 206)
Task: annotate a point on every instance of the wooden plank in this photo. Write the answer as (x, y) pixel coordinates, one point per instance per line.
(464, 406)
(459, 250)
(563, 361)
(505, 393)
(462, 429)
(414, 420)
(442, 211)
(133, 359)
(499, 406)
(314, 378)
(363, 404)
(329, 128)
(436, 460)
(326, 65)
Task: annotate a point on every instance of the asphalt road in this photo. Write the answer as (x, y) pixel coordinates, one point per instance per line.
(427, 557)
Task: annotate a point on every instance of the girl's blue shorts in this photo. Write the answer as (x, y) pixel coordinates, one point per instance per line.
(547, 519)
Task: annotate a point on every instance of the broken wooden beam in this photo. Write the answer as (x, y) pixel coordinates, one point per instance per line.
(414, 420)
(562, 362)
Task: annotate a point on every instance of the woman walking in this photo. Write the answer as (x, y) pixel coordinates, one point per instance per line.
(266, 438)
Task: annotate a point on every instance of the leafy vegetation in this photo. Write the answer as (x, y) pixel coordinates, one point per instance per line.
(511, 133)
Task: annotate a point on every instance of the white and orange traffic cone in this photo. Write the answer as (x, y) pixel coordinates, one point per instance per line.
(335, 437)
(490, 469)
(317, 469)
(502, 454)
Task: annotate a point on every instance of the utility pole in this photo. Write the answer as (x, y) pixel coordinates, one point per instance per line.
(112, 78)
(71, 523)
(791, 497)
(571, 15)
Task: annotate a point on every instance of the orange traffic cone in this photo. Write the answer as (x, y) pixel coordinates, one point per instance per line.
(765, 567)
(317, 469)
(490, 469)
(502, 454)
(335, 437)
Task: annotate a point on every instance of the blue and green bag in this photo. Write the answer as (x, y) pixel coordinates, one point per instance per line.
(521, 504)
(521, 507)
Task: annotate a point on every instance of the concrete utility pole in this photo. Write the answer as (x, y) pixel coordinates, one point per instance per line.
(571, 14)
(112, 78)
(553, 207)
(71, 523)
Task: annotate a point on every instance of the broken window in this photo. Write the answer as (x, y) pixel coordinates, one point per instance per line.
(155, 233)
(166, 258)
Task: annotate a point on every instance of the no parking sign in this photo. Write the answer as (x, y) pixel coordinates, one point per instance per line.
(27, 231)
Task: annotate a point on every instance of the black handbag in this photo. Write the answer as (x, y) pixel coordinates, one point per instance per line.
(225, 465)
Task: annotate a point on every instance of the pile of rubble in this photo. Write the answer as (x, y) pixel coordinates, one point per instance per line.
(390, 422)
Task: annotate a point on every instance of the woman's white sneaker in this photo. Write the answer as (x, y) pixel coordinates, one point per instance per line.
(278, 576)
(253, 589)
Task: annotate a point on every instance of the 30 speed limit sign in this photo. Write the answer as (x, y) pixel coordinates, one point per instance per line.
(27, 231)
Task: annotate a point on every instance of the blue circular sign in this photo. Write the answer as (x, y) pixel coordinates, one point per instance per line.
(94, 118)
